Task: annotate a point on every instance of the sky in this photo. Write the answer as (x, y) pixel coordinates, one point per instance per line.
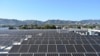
(50, 9)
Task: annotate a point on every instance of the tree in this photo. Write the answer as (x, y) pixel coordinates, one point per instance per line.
(49, 26)
(23, 27)
(79, 27)
(53, 27)
(12, 27)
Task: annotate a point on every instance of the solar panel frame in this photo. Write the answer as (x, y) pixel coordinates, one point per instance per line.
(13, 54)
(64, 54)
(78, 54)
(26, 54)
(91, 54)
(52, 54)
(39, 54)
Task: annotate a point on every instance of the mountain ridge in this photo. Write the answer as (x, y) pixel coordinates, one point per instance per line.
(19, 22)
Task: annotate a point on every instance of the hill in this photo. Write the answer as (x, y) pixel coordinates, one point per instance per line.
(56, 22)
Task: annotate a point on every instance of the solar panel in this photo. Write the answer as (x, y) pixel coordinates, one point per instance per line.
(31, 41)
(98, 41)
(70, 48)
(78, 41)
(85, 42)
(65, 41)
(44, 42)
(92, 41)
(52, 43)
(24, 42)
(98, 54)
(38, 42)
(61, 48)
(52, 48)
(42, 48)
(58, 42)
(15, 48)
(71, 41)
(89, 48)
(24, 48)
(79, 48)
(96, 47)
(3, 54)
(33, 48)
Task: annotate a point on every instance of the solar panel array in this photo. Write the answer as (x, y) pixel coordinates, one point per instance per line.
(54, 43)
(9, 37)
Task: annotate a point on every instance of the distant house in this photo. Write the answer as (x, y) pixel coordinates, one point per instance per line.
(58, 27)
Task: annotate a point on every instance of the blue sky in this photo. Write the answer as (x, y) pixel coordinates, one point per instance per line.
(50, 9)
